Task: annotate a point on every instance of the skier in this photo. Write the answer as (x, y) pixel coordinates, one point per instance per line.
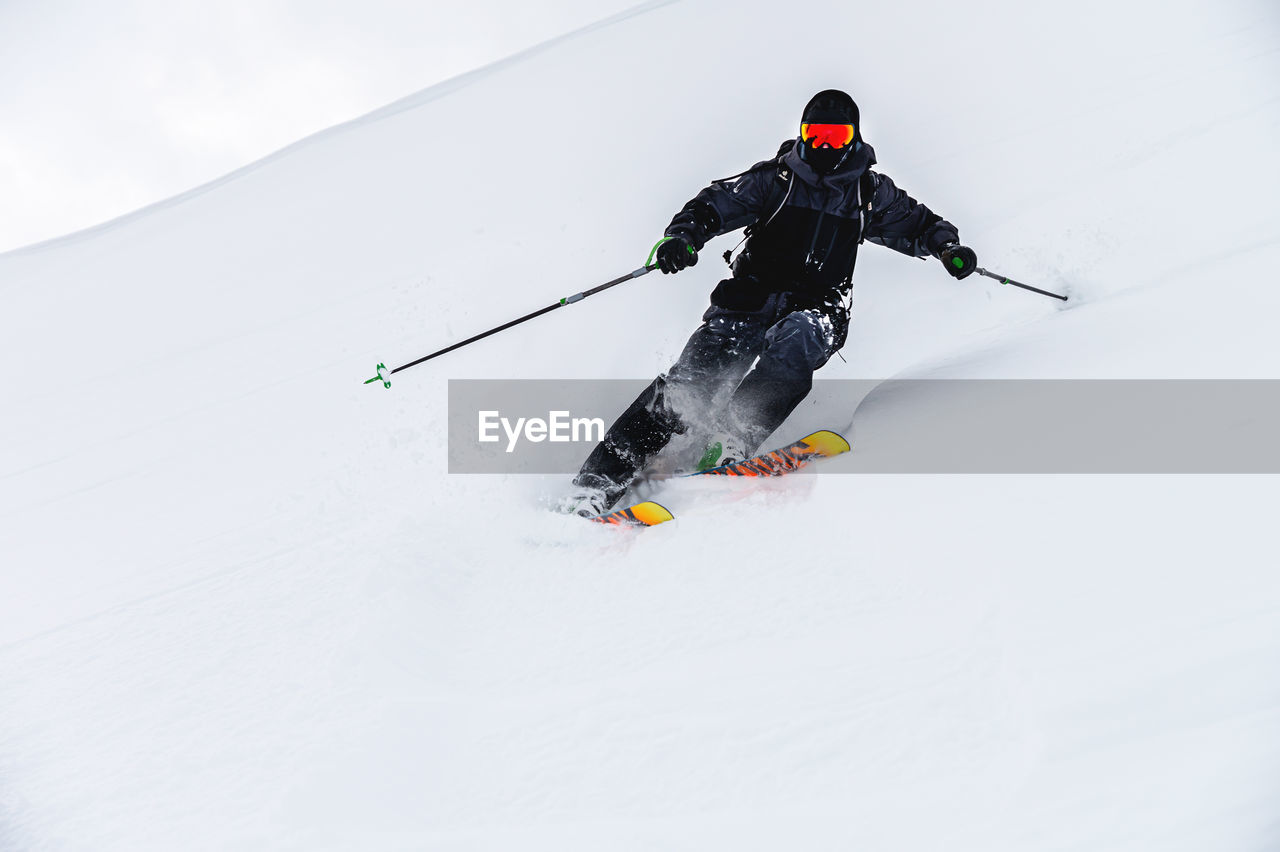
(786, 303)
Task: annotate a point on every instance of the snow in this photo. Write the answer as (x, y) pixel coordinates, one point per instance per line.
(245, 607)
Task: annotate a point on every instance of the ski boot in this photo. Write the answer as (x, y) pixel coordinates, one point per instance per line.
(721, 450)
(592, 495)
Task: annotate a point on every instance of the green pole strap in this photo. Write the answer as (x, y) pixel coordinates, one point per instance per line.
(656, 245)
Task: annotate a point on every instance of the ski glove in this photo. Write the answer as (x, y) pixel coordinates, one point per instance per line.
(959, 260)
(675, 254)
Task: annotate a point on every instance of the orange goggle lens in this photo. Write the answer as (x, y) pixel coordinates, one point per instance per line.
(818, 135)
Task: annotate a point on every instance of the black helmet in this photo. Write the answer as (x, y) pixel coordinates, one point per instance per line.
(828, 130)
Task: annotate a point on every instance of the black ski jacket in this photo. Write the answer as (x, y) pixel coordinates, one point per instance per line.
(803, 228)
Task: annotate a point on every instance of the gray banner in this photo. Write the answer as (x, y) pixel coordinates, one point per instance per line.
(914, 426)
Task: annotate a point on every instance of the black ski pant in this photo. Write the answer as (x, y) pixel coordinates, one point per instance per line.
(712, 386)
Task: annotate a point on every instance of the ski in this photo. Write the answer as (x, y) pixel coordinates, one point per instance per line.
(646, 514)
(792, 457)
(821, 444)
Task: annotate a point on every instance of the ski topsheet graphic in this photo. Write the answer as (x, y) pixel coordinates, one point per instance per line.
(821, 444)
(792, 457)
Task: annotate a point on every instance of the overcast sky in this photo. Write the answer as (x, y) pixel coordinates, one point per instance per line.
(108, 106)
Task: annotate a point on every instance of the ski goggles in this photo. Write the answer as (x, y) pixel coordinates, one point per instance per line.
(818, 135)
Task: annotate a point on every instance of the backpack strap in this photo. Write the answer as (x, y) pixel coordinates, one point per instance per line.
(866, 196)
(779, 189)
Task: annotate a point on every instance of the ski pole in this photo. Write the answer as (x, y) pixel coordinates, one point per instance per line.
(1004, 280)
(384, 374)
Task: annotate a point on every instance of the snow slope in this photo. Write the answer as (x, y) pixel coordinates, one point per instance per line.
(246, 608)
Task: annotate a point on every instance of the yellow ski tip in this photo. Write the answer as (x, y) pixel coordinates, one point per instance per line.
(651, 513)
(645, 514)
(826, 443)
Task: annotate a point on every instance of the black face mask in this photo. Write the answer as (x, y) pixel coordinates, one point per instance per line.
(824, 160)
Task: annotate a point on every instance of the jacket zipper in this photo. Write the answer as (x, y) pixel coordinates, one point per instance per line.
(835, 234)
(813, 243)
